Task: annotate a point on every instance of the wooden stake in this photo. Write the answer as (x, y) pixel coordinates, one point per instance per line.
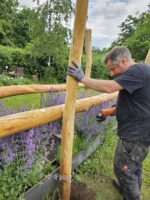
(69, 110)
(88, 49)
(147, 59)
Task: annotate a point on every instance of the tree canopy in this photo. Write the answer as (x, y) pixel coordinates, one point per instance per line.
(43, 31)
(38, 39)
(135, 34)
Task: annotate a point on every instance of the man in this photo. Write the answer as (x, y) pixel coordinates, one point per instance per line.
(132, 80)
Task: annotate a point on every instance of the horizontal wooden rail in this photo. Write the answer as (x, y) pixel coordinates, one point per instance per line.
(6, 91)
(14, 123)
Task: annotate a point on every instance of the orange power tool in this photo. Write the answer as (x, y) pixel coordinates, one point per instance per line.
(106, 112)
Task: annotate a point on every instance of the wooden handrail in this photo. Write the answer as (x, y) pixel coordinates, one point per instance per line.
(13, 90)
(11, 124)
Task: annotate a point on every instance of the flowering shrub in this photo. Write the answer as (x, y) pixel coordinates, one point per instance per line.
(6, 80)
(85, 122)
(23, 155)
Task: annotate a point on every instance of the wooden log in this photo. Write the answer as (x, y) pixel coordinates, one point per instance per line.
(147, 59)
(14, 123)
(88, 49)
(69, 109)
(6, 91)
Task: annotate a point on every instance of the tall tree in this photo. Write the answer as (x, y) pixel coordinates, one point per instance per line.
(51, 31)
(139, 42)
(7, 12)
(135, 34)
(20, 34)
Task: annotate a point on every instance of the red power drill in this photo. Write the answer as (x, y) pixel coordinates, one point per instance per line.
(106, 112)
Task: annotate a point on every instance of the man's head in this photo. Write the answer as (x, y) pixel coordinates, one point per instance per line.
(118, 60)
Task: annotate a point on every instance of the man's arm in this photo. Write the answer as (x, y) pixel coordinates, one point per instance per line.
(107, 86)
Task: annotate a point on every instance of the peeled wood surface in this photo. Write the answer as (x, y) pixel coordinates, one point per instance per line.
(88, 49)
(11, 124)
(147, 59)
(6, 91)
(69, 109)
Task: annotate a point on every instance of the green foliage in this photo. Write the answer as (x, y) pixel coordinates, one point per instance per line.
(15, 57)
(100, 161)
(21, 81)
(12, 57)
(42, 32)
(31, 101)
(99, 70)
(51, 36)
(6, 80)
(79, 143)
(20, 34)
(128, 27)
(48, 168)
(13, 188)
(139, 43)
(135, 35)
(7, 12)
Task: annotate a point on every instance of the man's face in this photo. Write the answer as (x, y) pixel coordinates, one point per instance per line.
(115, 69)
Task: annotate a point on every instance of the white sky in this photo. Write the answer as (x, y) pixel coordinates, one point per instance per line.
(104, 17)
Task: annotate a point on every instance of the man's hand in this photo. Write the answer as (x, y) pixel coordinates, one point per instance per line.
(76, 72)
(106, 112)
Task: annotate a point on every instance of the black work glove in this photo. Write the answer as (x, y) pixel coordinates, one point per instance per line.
(76, 72)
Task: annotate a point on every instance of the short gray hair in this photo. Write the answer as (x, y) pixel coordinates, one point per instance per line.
(116, 53)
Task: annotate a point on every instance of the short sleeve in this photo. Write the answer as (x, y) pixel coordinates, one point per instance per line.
(132, 79)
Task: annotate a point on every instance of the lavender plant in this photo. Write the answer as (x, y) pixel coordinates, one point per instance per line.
(85, 122)
(23, 155)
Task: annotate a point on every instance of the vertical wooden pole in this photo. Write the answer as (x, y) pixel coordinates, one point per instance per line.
(88, 49)
(147, 59)
(69, 110)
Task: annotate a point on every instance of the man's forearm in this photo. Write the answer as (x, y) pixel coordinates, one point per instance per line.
(107, 86)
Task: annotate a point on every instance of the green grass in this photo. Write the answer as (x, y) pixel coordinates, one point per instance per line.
(79, 143)
(97, 171)
(31, 101)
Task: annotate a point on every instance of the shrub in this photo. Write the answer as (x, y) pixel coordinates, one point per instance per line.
(6, 80)
(99, 70)
(22, 157)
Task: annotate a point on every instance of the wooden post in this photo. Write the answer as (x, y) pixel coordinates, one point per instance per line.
(88, 49)
(69, 110)
(147, 59)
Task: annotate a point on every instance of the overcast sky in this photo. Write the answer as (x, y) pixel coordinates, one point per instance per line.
(104, 17)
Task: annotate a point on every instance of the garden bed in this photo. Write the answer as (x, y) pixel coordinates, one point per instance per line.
(49, 184)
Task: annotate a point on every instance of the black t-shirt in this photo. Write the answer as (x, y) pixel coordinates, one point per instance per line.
(133, 104)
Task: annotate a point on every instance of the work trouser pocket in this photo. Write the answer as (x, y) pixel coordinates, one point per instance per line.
(137, 150)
